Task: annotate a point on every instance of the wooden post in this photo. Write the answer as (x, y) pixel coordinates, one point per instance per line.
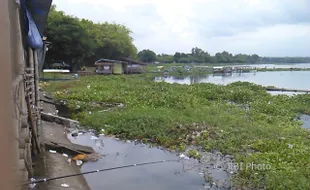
(37, 92)
(31, 66)
(33, 126)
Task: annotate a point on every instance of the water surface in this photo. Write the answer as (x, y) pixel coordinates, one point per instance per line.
(281, 79)
(289, 65)
(166, 176)
(306, 121)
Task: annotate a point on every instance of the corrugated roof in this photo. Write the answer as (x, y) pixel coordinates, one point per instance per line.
(109, 61)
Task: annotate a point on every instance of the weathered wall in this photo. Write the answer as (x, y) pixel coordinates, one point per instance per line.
(9, 158)
(17, 81)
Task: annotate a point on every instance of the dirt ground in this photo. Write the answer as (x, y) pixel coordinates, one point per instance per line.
(51, 165)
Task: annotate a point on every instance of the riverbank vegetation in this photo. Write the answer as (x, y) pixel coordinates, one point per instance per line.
(240, 119)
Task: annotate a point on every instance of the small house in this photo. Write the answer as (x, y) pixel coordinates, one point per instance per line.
(133, 67)
(108, 66)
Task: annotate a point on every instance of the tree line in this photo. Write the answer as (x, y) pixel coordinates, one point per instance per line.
(197, 55)
(81, 42)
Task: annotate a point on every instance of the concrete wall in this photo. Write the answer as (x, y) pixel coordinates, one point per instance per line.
(15, 137)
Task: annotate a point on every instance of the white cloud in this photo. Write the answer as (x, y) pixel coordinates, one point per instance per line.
(277, 27)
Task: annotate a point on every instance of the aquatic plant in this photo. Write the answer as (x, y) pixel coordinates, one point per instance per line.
(240, 119)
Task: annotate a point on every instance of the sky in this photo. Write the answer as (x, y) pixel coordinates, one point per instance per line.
(265, 27)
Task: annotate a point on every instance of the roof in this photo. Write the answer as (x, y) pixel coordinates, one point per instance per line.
(108, 61)
(133, 61)
(104, 63)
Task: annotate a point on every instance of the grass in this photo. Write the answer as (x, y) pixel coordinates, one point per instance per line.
(55, 76)
(240, 119)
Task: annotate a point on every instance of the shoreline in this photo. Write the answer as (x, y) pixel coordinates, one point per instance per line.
(50, 165)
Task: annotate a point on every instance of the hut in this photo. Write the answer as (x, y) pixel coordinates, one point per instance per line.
(108, 66)
(133, 66)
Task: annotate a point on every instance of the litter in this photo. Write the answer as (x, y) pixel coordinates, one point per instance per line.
(74, 134)
(290, 146)
(65, 155)
(69, 160)
(53, 151)
(79, 162)
(80, 133)
(128, 141)
(64, 185)
(79, 157)
(32, 186)
(184, 157)
(94, 138)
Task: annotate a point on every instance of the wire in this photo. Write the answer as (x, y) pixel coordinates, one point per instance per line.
(95, 171)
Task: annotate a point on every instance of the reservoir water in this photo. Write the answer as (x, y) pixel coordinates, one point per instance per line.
(165, 176)
(281, 79)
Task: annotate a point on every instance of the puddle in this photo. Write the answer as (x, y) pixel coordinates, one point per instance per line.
(306, 121)
(152, 177)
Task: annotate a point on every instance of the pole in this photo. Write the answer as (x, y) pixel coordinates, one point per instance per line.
(96, 171)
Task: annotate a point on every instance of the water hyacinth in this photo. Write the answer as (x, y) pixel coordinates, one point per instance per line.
(240, 119)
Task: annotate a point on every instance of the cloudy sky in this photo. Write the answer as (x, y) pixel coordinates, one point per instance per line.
(265, 27)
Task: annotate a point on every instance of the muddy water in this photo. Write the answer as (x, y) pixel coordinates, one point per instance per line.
(152, 177)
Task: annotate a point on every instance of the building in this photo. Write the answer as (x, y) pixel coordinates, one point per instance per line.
(109, 66)
(122, 66)
(133, 66)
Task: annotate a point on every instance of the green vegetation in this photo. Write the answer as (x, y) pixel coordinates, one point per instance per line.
(147, 56)
(80, 42)
(55, 76)
(199, 56)
(240, 119)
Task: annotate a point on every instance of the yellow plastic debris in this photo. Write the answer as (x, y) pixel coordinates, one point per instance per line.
(79, 157)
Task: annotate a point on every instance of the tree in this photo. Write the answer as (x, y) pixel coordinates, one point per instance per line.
(253, 58)
(164, 58)
(70, 42)
(147, 56)
(81, 42)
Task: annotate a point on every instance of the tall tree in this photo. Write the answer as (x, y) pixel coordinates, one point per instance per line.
(81, 42)
(147, 56)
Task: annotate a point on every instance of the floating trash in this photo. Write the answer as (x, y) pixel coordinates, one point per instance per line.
(79, 157)
(65, 155)
(94, 138)
(79, 162)
(65, 185)
(184, 157)
(53, 151)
